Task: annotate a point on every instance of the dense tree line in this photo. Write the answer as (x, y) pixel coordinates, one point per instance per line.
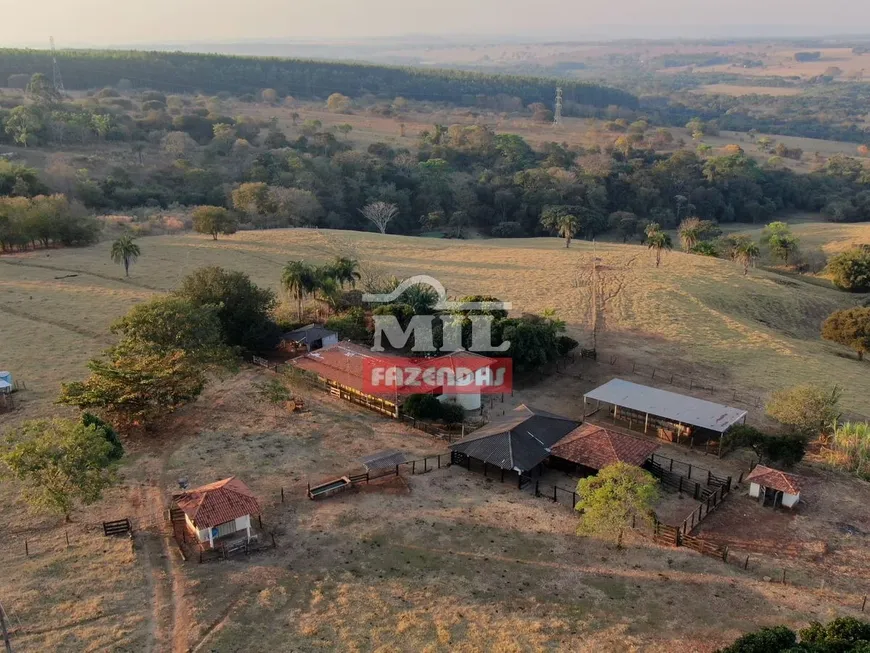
(84, 69)
(43, 221)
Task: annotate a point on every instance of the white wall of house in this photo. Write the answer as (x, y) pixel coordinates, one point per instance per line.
(469, 401)
(790, 500)
(754, 490)
(205, 534)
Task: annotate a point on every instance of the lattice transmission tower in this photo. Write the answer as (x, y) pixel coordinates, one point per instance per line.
(557, 115)
(56, 79)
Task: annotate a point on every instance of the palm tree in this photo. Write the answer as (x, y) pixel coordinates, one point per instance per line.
(299, 279)
(658, 240)
(562, 222)
(345, 271)
(125, 251)
(691, 233)
(746, 253)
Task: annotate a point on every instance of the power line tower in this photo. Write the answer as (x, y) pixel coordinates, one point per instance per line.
(557, 120)
(55, 71)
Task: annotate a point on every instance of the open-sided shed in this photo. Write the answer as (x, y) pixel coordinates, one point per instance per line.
(670, 414)
(590, 448)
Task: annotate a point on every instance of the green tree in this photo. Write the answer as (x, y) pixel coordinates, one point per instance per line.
(345, 129)
(781, 241)
(610, 500)
(345, 270)
(807, 409)
(785, 450)
(561, 220)
(213, 220)
(169, 323)
(125, 251)
(626, 224)
(42, 91)
(134, 386)
(22, 124)
(59, 462)
(658, 240)
(850, 327)
(300, 279)
(694, 230)
(244, 308)
(109, 433)
(850, 270)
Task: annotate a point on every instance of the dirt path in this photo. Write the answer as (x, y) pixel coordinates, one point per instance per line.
(169, 619)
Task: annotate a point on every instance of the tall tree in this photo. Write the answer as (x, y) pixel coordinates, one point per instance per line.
(381, 214)
(300, 279)
(610, 500)
(561, 220)
(126, 252)
(244, 308)
(781, 241)
(60, 463)
(746, 252)
(658, 240)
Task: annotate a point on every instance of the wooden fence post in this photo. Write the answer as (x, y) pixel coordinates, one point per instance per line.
(555, 494)
(537, 488)
(782, 580)
(414, 467)
(425, 465)
(282, 492)
(574, 504)
(863, 603)
(746, 563)
(680, 487)
(66, 532)
(26, 549)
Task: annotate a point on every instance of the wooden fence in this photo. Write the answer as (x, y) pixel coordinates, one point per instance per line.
(678, 482)
(708, 505)
(117, 527)
(673, 536)
(701, 474)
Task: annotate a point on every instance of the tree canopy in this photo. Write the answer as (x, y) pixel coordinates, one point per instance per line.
(850, 327)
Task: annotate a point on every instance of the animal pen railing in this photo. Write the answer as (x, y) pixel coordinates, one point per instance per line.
(701, 474)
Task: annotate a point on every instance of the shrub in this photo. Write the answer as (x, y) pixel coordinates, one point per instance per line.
(111, 436)
(786, 450)
(705, 248)
(851, 270)
(766, 640)
(422, 407)
(566, 345)
(851, 328)
(808, 410)
(452, 413)
(350, 325)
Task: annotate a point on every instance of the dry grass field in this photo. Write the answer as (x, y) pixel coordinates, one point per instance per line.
(733, 89)
(437, 562)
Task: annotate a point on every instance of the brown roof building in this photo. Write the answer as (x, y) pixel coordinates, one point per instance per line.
(775, 479)
(217, 503)
(596, 447)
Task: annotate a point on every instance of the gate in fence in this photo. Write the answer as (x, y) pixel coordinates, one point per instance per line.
(117, 527)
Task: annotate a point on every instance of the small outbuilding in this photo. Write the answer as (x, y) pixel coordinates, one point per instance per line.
(466, 366)
(772, 485)
(309, 338)
(590, 448)
(218, 512)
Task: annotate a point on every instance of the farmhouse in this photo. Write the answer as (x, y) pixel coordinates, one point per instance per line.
(590, 448)
(341, 367)
(780, 488)
(218, 512)
(517, 442)
(309, 338)
(671, 416)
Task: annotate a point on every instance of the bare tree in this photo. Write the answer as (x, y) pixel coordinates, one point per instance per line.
(600, 283)
(381, 213)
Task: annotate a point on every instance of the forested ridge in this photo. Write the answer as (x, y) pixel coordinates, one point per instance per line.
(212, 73)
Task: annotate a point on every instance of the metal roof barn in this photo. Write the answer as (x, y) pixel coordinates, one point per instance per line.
(670, 405)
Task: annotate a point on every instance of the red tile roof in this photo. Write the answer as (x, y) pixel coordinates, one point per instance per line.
(596, 447)
(217, 503)
(773, 478)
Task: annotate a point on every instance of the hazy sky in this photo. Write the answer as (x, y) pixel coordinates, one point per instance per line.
(102, 22)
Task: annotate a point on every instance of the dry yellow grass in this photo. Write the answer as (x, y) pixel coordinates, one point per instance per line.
(759, 331)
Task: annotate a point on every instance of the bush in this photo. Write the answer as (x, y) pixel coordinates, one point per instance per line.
(851, 328)
(807, 410)
(566, 345)
(766, 640)
(705, 248)
(422, 407)
(452, 413)
(851, 270)
(350, 325)
(508, 230)
(109, 433)
(786, 450)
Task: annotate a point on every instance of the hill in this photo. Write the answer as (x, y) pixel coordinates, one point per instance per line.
(212, 73)
(755, 333)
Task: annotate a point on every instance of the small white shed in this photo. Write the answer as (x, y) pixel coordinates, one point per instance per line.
(768, 484)
(218, 510)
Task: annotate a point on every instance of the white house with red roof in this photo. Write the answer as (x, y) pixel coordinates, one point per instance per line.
(767, 483)
(218, 510)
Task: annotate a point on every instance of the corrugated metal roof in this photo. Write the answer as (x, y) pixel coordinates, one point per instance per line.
(518, 440)
(308, 334)
(384, 459)
(670, 405)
